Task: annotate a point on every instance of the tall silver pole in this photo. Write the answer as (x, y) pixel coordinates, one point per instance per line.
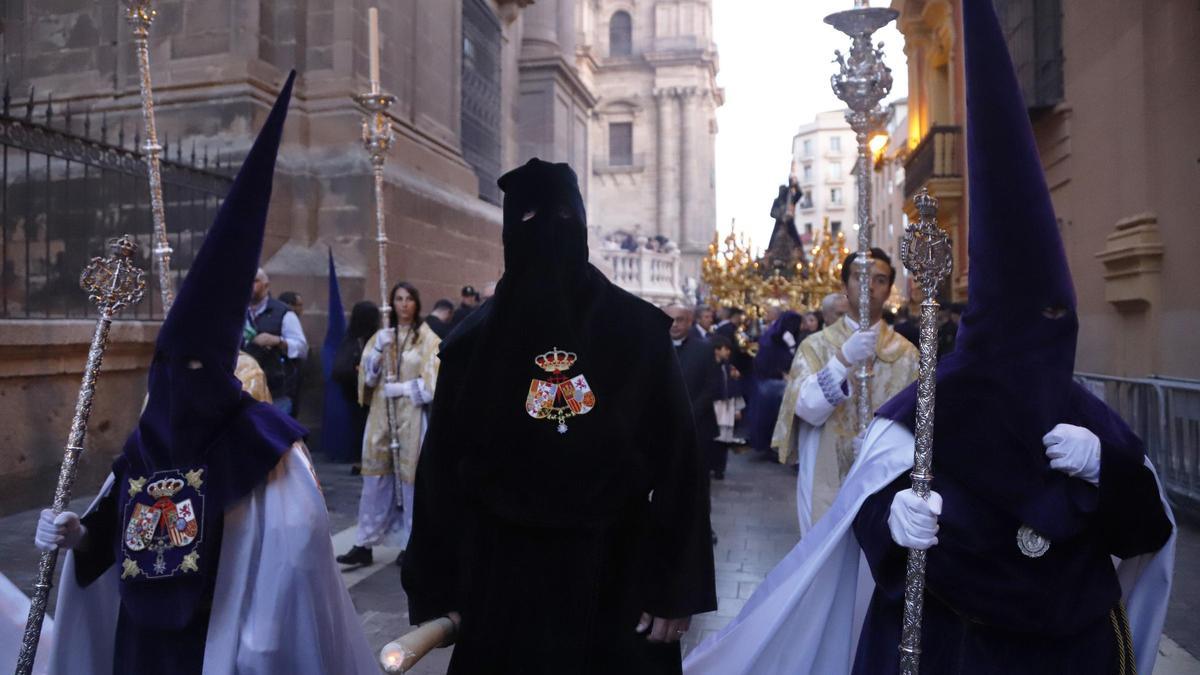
(112, 284)
(140, 15)
(377, 138)
(925, 251)
(862, 82)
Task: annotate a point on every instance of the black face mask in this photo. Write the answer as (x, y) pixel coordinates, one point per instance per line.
(187, 409)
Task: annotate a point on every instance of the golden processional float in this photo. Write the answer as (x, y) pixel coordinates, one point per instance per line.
(735, 277)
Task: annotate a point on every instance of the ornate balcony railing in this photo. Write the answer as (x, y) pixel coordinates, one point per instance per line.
(651, 275)
(938, 155)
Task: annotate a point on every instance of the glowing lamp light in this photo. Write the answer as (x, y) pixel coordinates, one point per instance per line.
(392, 658)
(878, 144)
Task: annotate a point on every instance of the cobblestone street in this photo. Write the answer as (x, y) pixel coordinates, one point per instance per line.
(753, 515)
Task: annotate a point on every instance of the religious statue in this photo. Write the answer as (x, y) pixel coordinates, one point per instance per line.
(785, 250)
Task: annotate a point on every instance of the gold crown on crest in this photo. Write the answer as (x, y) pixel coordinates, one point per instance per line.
(555, 360)
(166, 487)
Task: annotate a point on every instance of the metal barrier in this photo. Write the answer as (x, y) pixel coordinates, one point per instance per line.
(1165, 413)
(67, 186)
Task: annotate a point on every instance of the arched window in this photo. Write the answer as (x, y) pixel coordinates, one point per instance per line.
(620, 34)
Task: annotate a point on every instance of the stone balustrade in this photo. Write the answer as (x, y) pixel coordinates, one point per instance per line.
(654, 276)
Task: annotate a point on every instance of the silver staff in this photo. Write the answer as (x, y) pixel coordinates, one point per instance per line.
(377, 138)
(862, 82)
(925, 251)
(112, 284)
(140, 15)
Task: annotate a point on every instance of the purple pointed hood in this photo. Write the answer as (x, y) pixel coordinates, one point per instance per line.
(1009, 379)
(196, 409)
(1020, 318)
(1017, 265)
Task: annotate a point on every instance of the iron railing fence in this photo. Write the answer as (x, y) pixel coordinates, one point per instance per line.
(1165, 414)
(70, 183)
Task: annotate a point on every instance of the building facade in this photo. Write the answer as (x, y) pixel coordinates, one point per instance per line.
(653, 66)
(936, 148)
(1112, 89)
(481, 86)
(887, 194)
(824, 153)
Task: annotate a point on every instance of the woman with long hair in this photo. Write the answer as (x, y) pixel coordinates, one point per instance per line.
(385, 509)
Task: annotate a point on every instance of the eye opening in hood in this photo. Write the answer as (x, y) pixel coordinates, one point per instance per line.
(1055, 311)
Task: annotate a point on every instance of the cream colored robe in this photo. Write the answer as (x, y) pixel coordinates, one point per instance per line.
(825, 447)
(254, 381)
(418, 359)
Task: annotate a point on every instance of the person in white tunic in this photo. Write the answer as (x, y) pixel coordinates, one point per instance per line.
(817, 421)
(386, 506)
(208, 550)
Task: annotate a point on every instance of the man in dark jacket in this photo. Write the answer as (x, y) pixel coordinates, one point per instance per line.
(440, 319)
(274, 337)
(700, 372)
(561, 508)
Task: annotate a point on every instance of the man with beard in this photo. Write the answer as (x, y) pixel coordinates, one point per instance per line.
(208, 548)
(561, 510)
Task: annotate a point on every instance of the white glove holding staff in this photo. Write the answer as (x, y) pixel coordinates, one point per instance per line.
(860, 346)
(63, 530)
(405, 389)
(913, 521)
(1075, 451)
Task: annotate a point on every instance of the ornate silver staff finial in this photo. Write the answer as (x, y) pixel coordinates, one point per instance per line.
(925, 248)
(377, 138)
(140, 14)
(862, 81)
(112, 284)
(925, 251)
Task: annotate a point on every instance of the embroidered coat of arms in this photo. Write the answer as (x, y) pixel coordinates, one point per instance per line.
(559, 396)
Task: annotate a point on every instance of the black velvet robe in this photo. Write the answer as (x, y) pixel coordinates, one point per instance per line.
(552, 545)
(701, 376)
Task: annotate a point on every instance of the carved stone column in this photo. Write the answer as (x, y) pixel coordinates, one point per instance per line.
(668, 159)
(689, 165)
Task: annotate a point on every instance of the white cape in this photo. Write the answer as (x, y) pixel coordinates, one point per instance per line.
(279, 607)
(806, 615)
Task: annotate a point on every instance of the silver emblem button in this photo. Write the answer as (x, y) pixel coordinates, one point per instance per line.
(1032, 544)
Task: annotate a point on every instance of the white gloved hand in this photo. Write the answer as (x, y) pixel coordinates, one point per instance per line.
(789, 339)
(63, 530)
(860, 346)
(396, 389)
(384, 338)
(913, 521)
(1075, 451)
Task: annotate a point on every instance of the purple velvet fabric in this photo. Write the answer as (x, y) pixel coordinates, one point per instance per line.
(198, 418)
(771, 366)
(1006, 384)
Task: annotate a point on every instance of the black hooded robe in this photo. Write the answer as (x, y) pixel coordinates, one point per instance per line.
(551, 542)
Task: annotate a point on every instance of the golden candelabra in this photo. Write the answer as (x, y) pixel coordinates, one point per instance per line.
(736, 278)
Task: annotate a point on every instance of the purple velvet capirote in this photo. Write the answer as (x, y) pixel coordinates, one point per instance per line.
(988, 606)
(1011, 370)
(199, 417)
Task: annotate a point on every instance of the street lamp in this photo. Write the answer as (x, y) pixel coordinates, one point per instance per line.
(878, 144)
